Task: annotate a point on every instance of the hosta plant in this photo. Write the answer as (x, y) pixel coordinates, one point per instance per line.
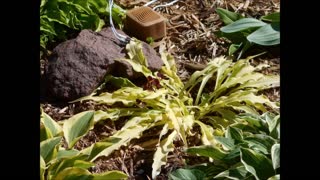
(246, 32)
(67, 163)
(249, 149)
(59, 17)
(165, 102)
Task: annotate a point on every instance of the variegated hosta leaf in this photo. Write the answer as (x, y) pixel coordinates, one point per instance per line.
(138, 67)
(175, 119)
(134, 48)
(170, 71)
(131, 130)
(54, 128)
(129, 96)
(160, 156)
(239, 97)
(116, 113)
(78, 126)
(206, 134)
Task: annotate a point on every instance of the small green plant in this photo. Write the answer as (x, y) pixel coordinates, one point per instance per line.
(249, 149)
(58, 162)
(150, 40)
(59, 17)
(245, 32)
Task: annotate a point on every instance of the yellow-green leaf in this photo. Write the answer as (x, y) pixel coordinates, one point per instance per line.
(77, 126)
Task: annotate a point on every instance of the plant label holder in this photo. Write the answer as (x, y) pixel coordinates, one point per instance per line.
(143, 22)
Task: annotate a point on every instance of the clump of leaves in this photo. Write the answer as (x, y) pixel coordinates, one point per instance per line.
(249, 149)
(58, 162)
(60, 17)
(165, 102)
(245, 32)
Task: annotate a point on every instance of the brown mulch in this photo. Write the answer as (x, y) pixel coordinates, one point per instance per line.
(190, 39)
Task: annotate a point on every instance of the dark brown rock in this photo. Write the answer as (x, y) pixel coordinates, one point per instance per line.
(78, 66)
(124, 69)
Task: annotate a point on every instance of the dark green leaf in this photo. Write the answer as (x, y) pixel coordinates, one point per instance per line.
(260, 142)
(226, 142)
(48, 148)
(267, 35)
(186, 174)
(228, 17)
(207, 151)
(255, 121)
(74, 173)
(234, 133)
(257, 164)
(274, 17)
(237, 173)
(242, 24)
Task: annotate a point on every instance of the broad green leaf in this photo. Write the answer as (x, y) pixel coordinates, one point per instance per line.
(74, 173)
(227, 143)
(42, 168)
(73, 162)
(44, 133)
(67, 153)
(207, 151)
(237, 173)
(48, 148)
(254, 120)
(233, 156)
(160, 156)
(267, 35)
(273, 125)
(116, 175)
(260, 142)
(209, 170)
(228, 17)
(276, 177)
(273, 17)
(257, 164)
(275, 156)
(77, 126)
(187, 174)
(242, 24)
(50, 124)
(95, 149)
(234, 133)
